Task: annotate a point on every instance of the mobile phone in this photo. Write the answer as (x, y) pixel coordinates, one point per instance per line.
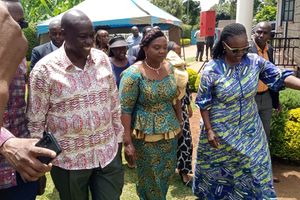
(49, 142)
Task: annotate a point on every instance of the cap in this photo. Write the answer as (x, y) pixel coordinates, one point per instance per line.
(117, 41)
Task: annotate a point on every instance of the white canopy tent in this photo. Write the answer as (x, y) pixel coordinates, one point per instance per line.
(116, 14)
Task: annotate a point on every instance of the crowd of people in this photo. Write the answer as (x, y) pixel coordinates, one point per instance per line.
(98, 94)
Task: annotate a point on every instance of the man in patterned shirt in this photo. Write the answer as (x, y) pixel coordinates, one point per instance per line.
(73, 94)
(17, 153)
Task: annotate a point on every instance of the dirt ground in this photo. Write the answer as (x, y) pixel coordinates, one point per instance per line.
(289, 175)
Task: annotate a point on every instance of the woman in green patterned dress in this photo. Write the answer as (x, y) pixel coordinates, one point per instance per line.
(150, 119)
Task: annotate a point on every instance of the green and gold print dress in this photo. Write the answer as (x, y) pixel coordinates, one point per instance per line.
(155, 126)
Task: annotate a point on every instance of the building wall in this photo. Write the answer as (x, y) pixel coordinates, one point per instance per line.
(293, 27)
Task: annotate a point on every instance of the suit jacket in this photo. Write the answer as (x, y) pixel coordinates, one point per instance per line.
(274, 95)
(39, 52)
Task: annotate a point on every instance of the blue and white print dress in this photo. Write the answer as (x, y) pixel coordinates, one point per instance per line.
(241, 167)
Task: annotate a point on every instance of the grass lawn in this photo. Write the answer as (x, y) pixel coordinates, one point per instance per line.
(176, 191)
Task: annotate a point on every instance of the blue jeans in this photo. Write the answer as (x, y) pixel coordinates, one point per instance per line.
(24, 191)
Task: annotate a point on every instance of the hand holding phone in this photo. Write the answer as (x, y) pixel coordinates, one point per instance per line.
(49, 142)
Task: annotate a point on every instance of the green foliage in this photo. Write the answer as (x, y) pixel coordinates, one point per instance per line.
(40, 10)
(174, 7)
(31, 35)
(192, 79)
(191, 12)
(266, 13)
(290, 99)
(186, 31)
(287, 144)
(225, 10)
(285, 127)
(185, 41)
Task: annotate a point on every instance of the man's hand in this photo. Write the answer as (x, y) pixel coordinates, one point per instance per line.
(22, 154)
(213, 140)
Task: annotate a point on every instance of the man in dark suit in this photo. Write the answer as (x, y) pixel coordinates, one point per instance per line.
(265, 98)
(56, 40)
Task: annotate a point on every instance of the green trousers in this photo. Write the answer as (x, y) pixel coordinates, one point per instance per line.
(104, 183)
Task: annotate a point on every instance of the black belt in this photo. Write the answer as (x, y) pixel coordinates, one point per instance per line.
(261, 93)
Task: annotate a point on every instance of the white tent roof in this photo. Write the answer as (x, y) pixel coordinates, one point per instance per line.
(119, 13)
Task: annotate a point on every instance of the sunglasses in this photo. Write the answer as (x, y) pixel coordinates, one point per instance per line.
(23, 24)
(237, 50)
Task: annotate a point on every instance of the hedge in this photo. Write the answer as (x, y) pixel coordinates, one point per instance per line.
(31, 35)
(285, 127)
(185, 41)
(186, 31)
(192, 79)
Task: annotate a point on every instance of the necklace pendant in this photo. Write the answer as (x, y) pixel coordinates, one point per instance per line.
(157, 72)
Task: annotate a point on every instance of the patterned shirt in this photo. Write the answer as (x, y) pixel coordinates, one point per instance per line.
(14, 120)
(80, 107)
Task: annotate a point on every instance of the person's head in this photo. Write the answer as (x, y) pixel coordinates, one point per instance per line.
(262, 33)
(78, 32)
(102, 38)
(135, 31)
(175, 47)
(157, 27)
(233, 43)
(117, 47)
(153, 46)
(55, 33)
(146, 29)
(15, 9)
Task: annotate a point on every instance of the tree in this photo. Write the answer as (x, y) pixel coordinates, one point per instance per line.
(192, 9)
(174, 7)
(266, 13)
(222, 11)
(39, 10)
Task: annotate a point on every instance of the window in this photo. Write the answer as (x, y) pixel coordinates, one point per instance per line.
(288, 7)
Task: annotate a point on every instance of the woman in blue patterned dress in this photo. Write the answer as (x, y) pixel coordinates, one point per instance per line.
(233, 160)
(151, 121)
(117, 56)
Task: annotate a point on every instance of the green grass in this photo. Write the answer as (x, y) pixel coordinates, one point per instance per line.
(176, 190)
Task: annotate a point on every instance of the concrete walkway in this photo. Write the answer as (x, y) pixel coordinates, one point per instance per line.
(190, 53)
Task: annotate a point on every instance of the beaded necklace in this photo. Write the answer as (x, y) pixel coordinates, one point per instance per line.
(152, 68)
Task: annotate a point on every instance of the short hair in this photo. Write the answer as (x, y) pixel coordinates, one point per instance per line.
(171, 45)
(228, 31)
(146, 29)
(149, 37)
(53, 23)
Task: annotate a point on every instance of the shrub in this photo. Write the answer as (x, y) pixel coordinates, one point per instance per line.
(31, 35)
(286, 145)
(185, 41)
(285, 127)
(290, 98)
(192, 79)
(186, 31)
